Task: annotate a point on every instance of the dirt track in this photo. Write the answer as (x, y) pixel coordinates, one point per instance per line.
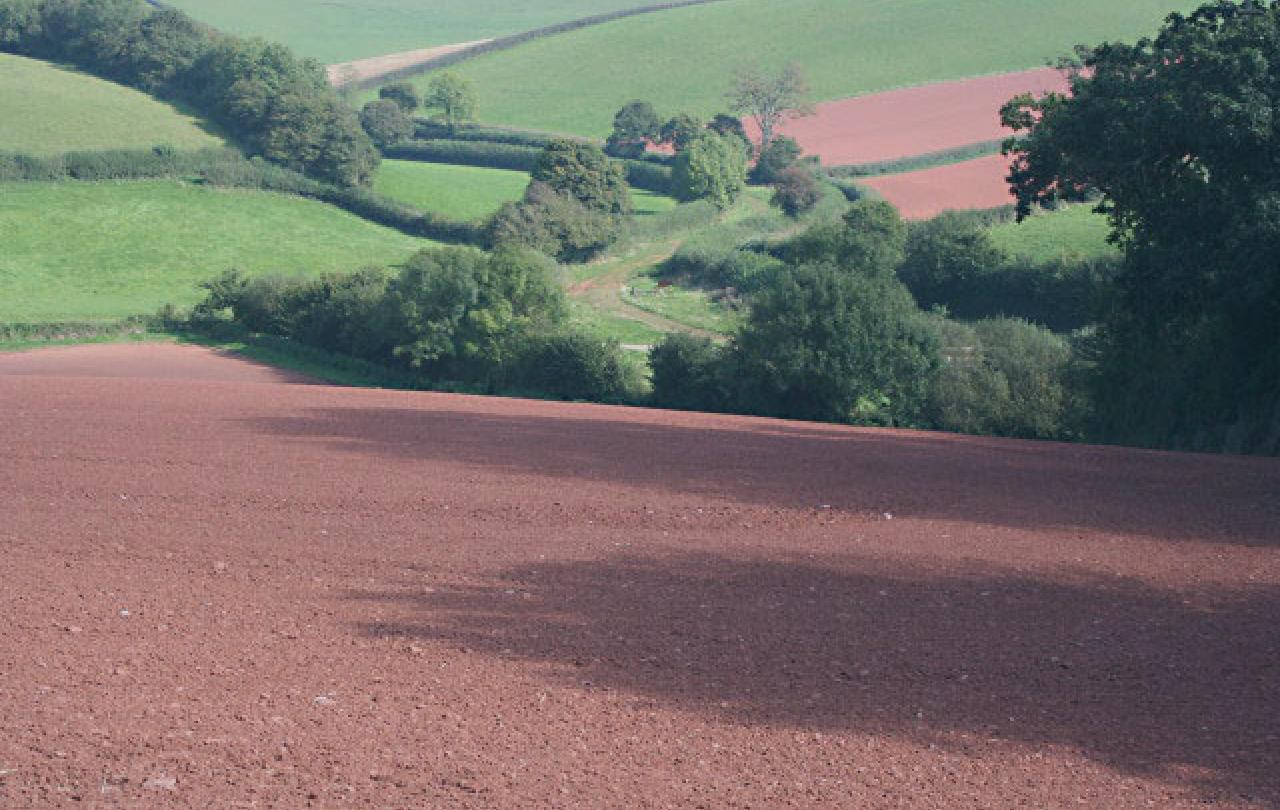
(223, 593)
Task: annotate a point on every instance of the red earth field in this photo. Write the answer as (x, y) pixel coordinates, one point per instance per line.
(222, 588)
(914, 120)
(978, 183)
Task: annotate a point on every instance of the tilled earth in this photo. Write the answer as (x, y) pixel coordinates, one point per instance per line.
(224, 588)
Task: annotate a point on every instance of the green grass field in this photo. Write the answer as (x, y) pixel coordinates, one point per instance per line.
(470, 192)
(46, 109)
(684, 59)
(1075, 232)
(86, 251)
(354, 29)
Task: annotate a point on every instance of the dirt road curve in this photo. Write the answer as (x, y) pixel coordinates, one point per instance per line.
(222, 593)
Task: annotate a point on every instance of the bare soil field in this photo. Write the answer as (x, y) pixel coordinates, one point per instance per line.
(364, 70)
(978, 183)
(914, 120)
(225, 590)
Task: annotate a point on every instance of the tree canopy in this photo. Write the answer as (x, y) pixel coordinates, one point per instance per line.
(767, 100)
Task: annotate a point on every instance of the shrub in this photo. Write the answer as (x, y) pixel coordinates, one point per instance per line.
(405, 94)
(716, 262)
(386, 122)
(689, 373)
(781, 154)
(711, 167)
(634, 126)
(572, 365)
(583, 172)
(554, 224)
(795, 191)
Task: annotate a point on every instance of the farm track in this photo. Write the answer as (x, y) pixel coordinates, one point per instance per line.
(604, 292)
(224, 589)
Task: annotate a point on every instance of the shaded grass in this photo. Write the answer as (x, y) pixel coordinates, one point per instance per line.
(610, 326)
(101, 251)
(1075, 232)
(684, 59)
(46, 110)
(696, 308)
(473, 192)
(353, 29)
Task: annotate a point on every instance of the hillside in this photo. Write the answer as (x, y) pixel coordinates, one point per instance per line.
(46, 109)
(84, 251)
(340, 32)
(547, 605)
(684, 59)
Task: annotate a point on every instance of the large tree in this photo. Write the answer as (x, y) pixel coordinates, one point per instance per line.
(453, 97)
(634, 127)
(767, 100)
(1179, 135)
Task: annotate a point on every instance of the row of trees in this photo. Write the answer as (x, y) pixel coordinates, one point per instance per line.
(389, 118)
(274, 103)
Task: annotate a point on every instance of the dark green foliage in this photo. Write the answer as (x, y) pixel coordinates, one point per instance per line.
(583, 172)
(386, 122)
(680, 131)
(871, 238)
(913, 163)
(634, 127)
(718, 263)
(553, 223)
(116, 164)
(725, 124)
(711, 167)
(781, 154)
(404, 94)
(795, 191)
(277, 105)
(689, 373)
(830, 343)
(571, 365)
(1190, 177)
(434, 130)
(946, 253)
(1004, 377)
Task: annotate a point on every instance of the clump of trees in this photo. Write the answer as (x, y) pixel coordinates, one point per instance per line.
(386, 122)
(494, 321)
(1187, 353)
(573, 208)
(277, 105)
(710, 166)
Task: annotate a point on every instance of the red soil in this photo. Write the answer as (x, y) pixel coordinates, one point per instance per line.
(914, 120)
(231, 594)
(978, 183)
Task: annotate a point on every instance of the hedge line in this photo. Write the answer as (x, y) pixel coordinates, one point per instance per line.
(229, 169)
(913, 163)
(640, 174)
(504, 43)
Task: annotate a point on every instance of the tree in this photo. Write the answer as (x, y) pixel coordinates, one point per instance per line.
(796, 191)
(945, 253)
(555, 224)
(781, 154)
(725, 124)
(870, 239)
(1177, 134)
(453, 97)
(770, 99)
(386, 122)
(403, 93)
(634, 127)
(680, 131)
(583, 172)
(827, 342)
(712, 167)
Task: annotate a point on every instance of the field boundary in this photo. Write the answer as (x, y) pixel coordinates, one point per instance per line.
(461, 54)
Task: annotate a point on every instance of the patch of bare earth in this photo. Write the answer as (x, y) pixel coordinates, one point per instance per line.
(222, 593)
(978, 183)
(363, 70)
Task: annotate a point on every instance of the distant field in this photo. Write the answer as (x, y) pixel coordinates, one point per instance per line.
(46, 109)
(85, 251)
(469, 192)
(684, 59)
(352, 29)
(1077, 231)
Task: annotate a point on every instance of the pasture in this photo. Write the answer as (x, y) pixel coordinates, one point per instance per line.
(684, 59)
(353, 29)
(471, 192)
(1076, 232)
(46, 109)
(98, 251)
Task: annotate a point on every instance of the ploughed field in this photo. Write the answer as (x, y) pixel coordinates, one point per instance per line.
(226, 587)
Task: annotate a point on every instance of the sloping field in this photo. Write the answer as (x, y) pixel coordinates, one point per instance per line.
(354, 29)
(926, 193)
(225, 594)
(684, 59)
(472, 192)
(78, 251)
(914, 120)
(1076, 232)
(46, 109)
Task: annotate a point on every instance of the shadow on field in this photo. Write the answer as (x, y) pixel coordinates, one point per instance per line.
(1022, 485)
(1133, 677)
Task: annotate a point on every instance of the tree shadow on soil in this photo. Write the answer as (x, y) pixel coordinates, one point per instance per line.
(1133, 677)
(1021, 485)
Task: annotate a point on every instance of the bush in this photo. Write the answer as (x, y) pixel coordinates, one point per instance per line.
(795, 191)
(583, 172)
(574, 366)
(386, 122)
(716, 262)
(781, 154)
(689, 373)
(947, 253)
(468, 153)
(554, 224)
(404, 94)
(710, 167)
